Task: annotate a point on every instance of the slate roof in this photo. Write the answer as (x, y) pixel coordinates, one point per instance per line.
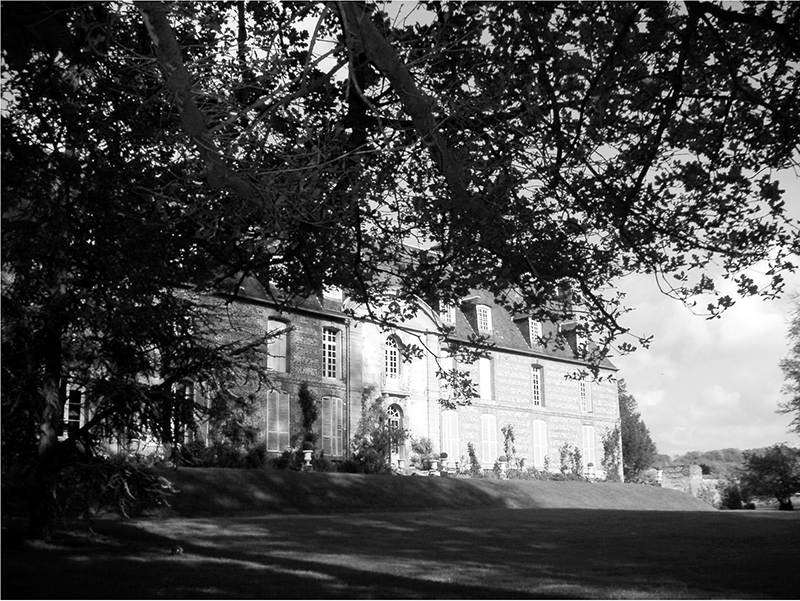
(506, 334)
(507, 331)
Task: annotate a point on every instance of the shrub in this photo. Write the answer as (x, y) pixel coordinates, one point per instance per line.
(256, 456)
(475, 468)
(571, 461)
(120, 483)
(730, 496)
(374, 438)
(421, 452)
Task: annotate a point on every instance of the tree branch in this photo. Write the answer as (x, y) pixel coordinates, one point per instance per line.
(418, 106)
(179, 82)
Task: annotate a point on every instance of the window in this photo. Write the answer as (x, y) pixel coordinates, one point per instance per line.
(446, 365)
(391, 358)
(484, 314)
(448, 314)
(73, 410)
(585, 395)
(330, 353)
(488, 439)
(539, 443)
(534, 330)
(536, 386)
(277, 346)
(277, 420)
(332, 426)
(485, 378)
(450, 434)
(589, 460)
(395, 415)
(333, 293)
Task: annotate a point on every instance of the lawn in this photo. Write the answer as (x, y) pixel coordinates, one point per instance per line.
(485, 552)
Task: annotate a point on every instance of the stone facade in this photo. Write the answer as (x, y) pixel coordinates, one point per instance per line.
(546, 411)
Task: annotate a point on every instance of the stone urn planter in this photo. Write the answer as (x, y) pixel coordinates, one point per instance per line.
(307, 455)
(503, 461)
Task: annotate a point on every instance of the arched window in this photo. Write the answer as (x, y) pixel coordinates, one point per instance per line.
(395, 415)
(391, 358)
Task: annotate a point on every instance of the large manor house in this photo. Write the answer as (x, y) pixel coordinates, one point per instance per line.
(347, 360)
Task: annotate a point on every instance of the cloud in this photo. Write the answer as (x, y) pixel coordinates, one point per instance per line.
(708, 384)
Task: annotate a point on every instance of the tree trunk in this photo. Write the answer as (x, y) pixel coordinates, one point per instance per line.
(43, 505)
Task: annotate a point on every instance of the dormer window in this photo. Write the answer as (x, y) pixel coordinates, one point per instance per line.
(534, 330)
(448, 314)
(484, 315)
(333, 293)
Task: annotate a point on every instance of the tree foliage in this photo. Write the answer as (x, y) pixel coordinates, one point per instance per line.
(791, 372)
(773, 472)
(375, 437)
(545, 149)
(612, 453)
(638, 449)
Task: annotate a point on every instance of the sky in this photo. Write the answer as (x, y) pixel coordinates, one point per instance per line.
(711, 384)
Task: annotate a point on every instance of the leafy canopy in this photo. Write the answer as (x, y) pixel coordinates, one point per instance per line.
(791, 372)
(544, 149)
(775, 472)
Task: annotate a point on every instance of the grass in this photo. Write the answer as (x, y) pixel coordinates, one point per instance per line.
(219, 492)
(487, 551)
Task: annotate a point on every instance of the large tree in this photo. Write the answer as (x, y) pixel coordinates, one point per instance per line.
(773, 472)
(638, 449)
(791, 372)
(545, 149)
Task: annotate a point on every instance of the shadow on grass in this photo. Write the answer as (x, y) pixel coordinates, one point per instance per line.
(221, 492)
(467, 554)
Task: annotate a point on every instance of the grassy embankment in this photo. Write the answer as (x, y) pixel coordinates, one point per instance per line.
(253, 534)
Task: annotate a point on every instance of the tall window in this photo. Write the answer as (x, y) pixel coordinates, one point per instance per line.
(391, 358)
(450, 434)
(539, 443)
(536, 386)
(395, 415)
(332, 426)
(488, 439)
(485, 378)
(330, 353)
(585, 396)
(448, 314)
(446, 365)
(277, 347)
(484, 314)
(277, 420)
(73, 410)
(534, 330)
(589, 457)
